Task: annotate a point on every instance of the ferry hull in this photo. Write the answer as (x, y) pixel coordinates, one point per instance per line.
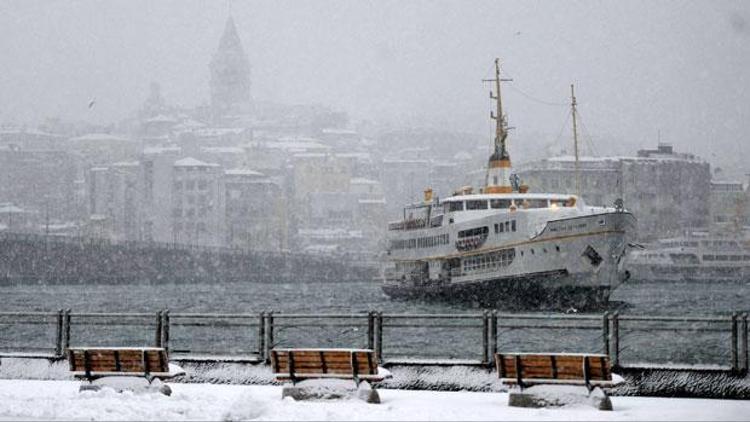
(553, 270)
(548, 290)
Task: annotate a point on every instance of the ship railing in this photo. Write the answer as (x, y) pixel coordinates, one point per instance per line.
(415, 223)
(719, 342)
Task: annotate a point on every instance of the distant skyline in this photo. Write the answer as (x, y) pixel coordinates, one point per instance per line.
(640, 67)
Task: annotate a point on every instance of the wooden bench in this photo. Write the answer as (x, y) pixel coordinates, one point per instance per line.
(526, 369)
(91, 363)
(299, 364)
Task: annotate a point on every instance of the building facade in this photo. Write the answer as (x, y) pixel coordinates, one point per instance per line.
(197, 203)
(666, 191)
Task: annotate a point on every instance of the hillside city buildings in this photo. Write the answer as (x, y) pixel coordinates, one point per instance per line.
(271, 177)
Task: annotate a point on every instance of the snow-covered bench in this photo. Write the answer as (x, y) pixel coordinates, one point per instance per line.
(309, 366)
(573, 369)
(98, 363)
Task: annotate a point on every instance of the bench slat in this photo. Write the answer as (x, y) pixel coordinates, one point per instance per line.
(290, 364)
(118, 360)
(539, 368)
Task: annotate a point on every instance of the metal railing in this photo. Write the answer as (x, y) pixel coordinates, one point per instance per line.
(468, 339)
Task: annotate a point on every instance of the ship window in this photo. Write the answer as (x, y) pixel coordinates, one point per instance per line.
(513, 225)
(474, 232)
(722, 258)
(593, 256)
(507, 226)
(500, 203)
(746, 258)
(455, 206)
(557, 248)
(476, 204)
(497, 229)
(535, 203)
(735, 258)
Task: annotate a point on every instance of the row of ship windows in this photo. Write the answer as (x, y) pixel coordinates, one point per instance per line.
(421, 242)
(444, 239)
(726, 257)
(508, 226)
(525, 203)
(489, 261)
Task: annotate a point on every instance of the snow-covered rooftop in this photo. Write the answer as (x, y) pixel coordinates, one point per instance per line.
(363, 181)
(11, 209)
(101, 137)
(192, 162)
(161, 150)
(243, 172)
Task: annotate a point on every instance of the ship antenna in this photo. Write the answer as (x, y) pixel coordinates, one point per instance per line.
(499, 182)
(573, 110)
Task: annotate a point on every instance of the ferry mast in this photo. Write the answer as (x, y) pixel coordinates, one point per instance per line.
(499, 168)
(573, 111)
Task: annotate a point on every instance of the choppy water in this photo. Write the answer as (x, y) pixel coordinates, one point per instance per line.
(694, 344)
(674, 298)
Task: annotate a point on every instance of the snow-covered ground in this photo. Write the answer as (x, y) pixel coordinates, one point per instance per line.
(44, 400)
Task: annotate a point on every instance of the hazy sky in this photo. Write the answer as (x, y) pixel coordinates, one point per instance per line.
(679, 67)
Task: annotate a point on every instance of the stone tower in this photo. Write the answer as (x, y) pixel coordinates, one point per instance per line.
(230, 76)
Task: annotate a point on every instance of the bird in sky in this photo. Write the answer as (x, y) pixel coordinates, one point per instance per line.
(92, 102)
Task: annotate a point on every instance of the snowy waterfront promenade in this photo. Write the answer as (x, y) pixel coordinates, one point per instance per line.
(60, 400)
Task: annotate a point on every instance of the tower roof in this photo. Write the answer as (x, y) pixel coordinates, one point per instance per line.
(230, 74)
(230, 39)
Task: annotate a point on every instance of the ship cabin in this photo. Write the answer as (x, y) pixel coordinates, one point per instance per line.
(470, 206)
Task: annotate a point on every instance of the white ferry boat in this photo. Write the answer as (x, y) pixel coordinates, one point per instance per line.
(696, 258)
(506, 247)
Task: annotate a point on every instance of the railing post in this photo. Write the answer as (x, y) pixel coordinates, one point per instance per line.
(262, 336)
(158, 332)
(743, 343)
(370, 330)
(615, 345)
(59, 334)
(605, 332)
(67, 324)
(379, 337)
(165, 332)
(735, 342)
(485, 337)
(493, 334)
(269, 337)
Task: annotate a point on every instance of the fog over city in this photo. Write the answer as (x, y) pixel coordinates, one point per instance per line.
(640, 68)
